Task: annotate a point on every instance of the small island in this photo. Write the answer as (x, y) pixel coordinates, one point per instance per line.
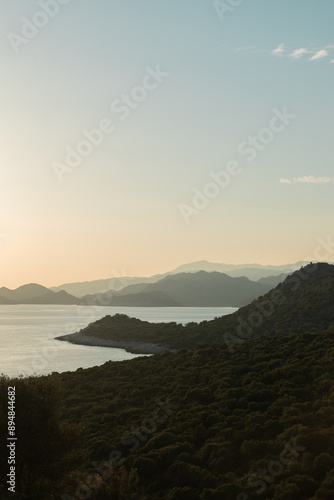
(303, 302)
(122, 332)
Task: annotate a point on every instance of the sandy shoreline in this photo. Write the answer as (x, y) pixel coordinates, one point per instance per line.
(132, 347)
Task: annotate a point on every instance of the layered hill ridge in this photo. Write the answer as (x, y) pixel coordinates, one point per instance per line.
(35, 294)
(253, 272)
(200, 289)
(207, 423)
(304, 302)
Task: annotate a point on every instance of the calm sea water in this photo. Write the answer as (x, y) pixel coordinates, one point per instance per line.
(27, 334)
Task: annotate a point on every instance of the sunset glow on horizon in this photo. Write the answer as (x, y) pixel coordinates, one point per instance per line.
(137, 139)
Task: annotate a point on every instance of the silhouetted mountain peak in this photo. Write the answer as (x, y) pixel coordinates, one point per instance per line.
(33, 293)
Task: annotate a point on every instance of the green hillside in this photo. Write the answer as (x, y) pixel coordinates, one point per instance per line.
(255, 421)
(303, 302)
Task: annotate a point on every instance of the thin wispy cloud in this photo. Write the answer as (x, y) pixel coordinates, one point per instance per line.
(279, 50)
(307, 180)
(319, 55)
(296, 54)
(282, 50)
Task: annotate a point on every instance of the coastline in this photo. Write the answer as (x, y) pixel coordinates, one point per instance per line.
(130, 346)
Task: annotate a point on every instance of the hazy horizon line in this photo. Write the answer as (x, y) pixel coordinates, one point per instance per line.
(123, 276)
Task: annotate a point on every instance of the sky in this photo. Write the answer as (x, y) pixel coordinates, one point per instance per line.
(139, 136)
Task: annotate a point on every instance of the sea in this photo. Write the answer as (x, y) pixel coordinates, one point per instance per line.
(27, 335)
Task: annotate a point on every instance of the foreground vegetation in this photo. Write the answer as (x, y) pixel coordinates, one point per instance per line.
(210, 423)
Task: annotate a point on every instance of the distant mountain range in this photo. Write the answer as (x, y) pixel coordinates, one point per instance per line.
(199, 289)
(253, 272)
(83, 288)
(273, 281)
(303, 303)
(199, 284)
(35, 294)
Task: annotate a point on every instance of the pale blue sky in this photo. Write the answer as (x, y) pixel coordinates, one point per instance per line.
(119, 210)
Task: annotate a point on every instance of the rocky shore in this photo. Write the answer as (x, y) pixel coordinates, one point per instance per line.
(132, 347)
